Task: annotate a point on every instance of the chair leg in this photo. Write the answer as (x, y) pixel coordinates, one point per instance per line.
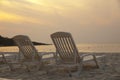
(28, 68)
(69, 72)
(40, 65)
(80, 67)
(11, 67)
(94, 57)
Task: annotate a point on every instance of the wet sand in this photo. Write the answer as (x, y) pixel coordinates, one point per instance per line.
(109, 70)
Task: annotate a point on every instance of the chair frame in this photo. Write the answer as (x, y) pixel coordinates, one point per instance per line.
(27, 52)
(66, 48)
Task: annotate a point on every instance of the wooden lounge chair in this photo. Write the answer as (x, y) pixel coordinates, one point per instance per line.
(28, 54)
(67, 52)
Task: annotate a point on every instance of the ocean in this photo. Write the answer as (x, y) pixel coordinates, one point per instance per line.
(106, 48)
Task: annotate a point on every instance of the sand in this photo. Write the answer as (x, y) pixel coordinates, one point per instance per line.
(109, 70)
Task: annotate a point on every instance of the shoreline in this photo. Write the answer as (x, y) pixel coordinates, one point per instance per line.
(92, 48)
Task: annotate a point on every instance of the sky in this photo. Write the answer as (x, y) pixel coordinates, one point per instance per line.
(89, 21)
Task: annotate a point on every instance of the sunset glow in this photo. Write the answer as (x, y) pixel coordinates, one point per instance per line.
(87, 20)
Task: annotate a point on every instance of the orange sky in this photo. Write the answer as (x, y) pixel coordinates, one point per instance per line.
(89, 21)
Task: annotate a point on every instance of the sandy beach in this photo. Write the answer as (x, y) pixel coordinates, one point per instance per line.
(42, 27)
(109, 70)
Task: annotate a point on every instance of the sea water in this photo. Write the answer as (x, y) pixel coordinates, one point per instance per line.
(109, 48)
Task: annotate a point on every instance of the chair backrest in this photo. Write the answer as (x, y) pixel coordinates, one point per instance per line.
(26, 47)
(65, 47)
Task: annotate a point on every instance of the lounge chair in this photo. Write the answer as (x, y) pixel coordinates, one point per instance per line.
(28, 54)
(67, 53)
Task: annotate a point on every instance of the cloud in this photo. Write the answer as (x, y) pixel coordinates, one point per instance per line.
(10, 17)
(83, 18)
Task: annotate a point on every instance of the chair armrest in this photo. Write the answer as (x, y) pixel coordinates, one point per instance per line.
(87, 55)
(84, 55)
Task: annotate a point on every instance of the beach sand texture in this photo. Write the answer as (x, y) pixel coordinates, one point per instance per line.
(109, 70)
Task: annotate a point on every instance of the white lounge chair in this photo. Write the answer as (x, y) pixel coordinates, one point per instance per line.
(67, 53)
(28, 52)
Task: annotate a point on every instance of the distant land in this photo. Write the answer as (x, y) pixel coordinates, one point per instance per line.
(5, 41)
